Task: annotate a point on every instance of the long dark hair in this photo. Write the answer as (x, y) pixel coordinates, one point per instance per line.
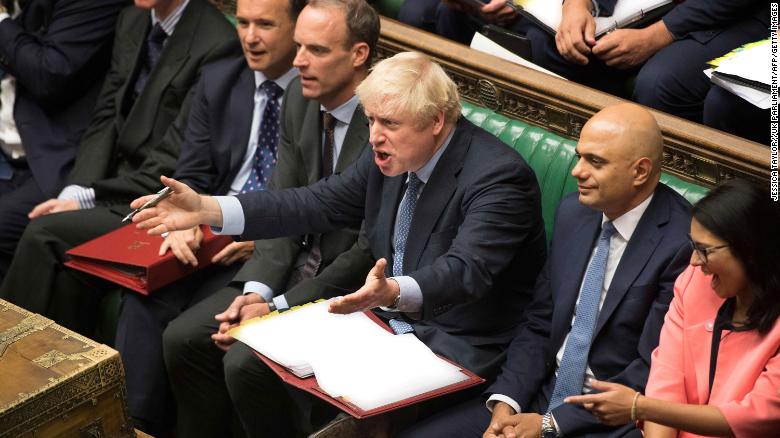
(742, 213)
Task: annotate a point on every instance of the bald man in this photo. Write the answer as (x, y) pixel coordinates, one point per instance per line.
(618, 245)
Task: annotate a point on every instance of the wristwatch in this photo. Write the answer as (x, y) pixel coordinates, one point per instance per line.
(548, 427)
(271, 306)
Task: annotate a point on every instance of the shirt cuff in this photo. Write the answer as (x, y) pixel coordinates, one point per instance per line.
(232, 216)
(281, 303)
(411, 296)
(259, 288)
(85, 196)
(495, 398)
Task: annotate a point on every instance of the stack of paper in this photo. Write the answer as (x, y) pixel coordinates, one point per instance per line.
(745, 72)
(627, 13)
(350, 355)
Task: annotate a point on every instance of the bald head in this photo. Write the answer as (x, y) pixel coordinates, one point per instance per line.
(632, 131)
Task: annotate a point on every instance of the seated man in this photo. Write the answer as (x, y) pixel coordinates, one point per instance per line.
(230, 137)
(221, 130)
(54, 55)
(132, 137)
(618, 246)
(451, 214)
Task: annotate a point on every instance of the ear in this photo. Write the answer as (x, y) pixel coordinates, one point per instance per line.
(643, 169)
(360, 54)
(438, 122)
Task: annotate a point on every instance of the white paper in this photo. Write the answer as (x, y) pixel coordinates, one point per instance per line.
(484, 44)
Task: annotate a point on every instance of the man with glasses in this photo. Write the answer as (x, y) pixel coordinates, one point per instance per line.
(600, 301)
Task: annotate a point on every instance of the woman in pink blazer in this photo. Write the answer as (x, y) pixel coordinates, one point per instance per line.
(726, 307)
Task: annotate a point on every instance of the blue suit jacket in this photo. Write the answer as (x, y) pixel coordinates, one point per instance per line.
(475, 245)
(59, 52)
(631, 317)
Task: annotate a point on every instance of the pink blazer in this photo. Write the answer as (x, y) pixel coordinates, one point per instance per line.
(747, 378)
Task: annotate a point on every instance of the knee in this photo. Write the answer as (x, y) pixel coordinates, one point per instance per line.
(245, 371)
(181, 343)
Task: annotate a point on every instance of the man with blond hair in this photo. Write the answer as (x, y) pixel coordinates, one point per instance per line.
(451, 214)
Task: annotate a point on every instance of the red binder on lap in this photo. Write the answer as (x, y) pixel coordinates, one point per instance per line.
(309, 384)
(129, 257)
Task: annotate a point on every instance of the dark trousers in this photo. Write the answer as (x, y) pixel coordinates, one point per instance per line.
(37, 280)
(730, 113)
(673, 81)
(419, 13)
(195, 372)
(142, 320)
(18, 196)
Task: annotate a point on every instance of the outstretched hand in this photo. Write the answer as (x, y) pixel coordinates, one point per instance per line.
(612, 406)
(377, 291)
(183, 209)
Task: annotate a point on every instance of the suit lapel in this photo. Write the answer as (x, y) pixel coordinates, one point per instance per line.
(436, 194)
(173, 58)
(311, 142)
(577, 257)
(242, 102)
(391, 196)
(355, 140)
(133, 51)
(640, 248)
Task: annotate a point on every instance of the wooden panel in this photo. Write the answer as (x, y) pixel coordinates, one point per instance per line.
(692, 151)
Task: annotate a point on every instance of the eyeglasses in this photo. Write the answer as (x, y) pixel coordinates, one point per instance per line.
(704, 251)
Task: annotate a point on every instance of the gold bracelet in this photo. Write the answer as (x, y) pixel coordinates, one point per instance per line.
(633, 406)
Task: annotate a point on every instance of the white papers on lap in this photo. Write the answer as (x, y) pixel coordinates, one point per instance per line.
(484, 44)
(350, 355)
(549, 12)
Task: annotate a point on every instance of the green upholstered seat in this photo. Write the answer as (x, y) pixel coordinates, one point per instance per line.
(551, 157)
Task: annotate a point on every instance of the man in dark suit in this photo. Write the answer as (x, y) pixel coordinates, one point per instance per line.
(450, 212)
(618, 246)
(131, 138)
(53, 56)
(668, 57)
(234, 118)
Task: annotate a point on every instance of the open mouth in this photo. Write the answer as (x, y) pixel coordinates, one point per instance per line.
(381, 155)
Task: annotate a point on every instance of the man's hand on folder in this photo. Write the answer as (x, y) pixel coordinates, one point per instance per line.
(628, 48)
(577, 31)
(242, 308)
(183, 209)
(378, 291)
(183, 244)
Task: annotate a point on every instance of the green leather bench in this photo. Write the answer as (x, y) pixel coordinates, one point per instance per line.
(552, 158)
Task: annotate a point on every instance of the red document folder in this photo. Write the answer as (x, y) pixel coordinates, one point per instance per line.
(129, 257)
(309, 384)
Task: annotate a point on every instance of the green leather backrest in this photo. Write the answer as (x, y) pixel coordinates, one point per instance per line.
(388, 8)
(552, 158)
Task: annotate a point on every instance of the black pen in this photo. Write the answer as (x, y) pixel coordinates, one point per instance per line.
(162, 194)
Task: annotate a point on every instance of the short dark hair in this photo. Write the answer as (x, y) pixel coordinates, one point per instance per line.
(295, 7)
(362, 22)
(742, 213)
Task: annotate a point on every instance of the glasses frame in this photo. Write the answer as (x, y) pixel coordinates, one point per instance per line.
(703, 252)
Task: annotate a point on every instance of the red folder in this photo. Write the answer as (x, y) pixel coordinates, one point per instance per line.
(309, 384)
(129, 257)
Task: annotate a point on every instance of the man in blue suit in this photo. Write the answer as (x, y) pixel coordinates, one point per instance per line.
(599, 303)
(451, 214)
(53, 57)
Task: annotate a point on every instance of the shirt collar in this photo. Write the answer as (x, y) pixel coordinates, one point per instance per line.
(626, 224)
(344, 112)
(169, 24)
(425, 172)
(283, 81)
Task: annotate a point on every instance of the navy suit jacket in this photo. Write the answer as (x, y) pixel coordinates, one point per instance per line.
(475, 245)
(631, 317)
(703, 19)
(59, 52)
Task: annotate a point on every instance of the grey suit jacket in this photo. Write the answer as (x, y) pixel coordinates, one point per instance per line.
(127, 146)
(299, 162)
(475, 245)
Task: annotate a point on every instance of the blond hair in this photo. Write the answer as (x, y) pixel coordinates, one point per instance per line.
(410, 83)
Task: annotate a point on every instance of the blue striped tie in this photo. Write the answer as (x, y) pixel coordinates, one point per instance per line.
(571, 374)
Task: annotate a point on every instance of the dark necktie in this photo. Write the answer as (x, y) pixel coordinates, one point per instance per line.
(267, 139)
(329, 124)
(571, 374)
(154, 47)
(405, 214)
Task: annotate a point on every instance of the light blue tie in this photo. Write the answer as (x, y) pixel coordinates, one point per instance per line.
(264, 160)
(571, 374)
(405, 215)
